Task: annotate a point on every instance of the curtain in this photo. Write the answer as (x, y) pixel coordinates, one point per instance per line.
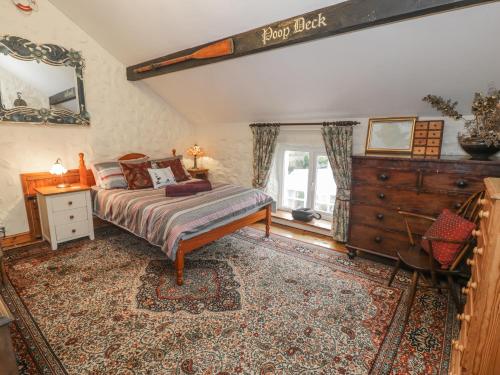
(338, 143)
(264, 144)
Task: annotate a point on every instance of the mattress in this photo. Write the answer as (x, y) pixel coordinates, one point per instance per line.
(165, 221)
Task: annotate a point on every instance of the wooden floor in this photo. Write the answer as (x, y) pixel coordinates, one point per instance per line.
(304, 236)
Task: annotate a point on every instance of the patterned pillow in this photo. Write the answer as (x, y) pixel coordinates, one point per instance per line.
(175, 164)
(451, 227)
(161, 177)
(109, 175)
(136, 174)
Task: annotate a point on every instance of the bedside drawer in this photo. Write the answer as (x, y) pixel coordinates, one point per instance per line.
(70, 216)
(68, 201)
(73, 230)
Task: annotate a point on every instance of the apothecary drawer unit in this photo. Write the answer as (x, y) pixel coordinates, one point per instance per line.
(65, 214)
(383, 185)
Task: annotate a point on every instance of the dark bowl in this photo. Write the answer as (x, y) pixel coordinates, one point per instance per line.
(477, 149)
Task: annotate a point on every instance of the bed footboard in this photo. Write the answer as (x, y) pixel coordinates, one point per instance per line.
(187, 246)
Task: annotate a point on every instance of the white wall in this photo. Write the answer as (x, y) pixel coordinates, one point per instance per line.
(229, 146)
(125, 116)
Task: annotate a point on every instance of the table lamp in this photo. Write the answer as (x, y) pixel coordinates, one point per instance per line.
(195, 151)
(59, 170)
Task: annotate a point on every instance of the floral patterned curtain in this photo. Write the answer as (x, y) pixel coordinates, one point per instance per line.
(264, 144)
(338, 143)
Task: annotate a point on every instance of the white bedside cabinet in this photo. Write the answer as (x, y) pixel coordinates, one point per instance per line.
(65, 213)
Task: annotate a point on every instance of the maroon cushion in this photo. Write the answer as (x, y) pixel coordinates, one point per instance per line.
(137, 174)
(177, 168)
(451, 227)
(189, 188)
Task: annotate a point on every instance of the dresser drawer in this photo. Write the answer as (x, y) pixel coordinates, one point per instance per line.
(377, 240)
(70, 216)
(73, 230)
(400, 178)
(453, 182)
(386, 218)
(424, 203)
(68, 201)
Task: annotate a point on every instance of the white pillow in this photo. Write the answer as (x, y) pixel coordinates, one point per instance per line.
(161, 177)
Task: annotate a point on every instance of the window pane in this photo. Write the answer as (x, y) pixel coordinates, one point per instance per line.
(324, 196)
(296, 180)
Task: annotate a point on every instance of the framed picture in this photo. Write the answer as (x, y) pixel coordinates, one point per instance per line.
(392, 135)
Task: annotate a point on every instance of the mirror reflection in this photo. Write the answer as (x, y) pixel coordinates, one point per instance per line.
(37, 85)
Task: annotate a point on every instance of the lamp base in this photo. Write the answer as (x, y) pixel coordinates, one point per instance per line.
(61, 186)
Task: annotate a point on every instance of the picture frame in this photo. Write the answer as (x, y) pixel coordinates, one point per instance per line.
(390, 135)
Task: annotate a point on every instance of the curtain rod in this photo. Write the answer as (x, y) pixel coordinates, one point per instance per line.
(339, 123)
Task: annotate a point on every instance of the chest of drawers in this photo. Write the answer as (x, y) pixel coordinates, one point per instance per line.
(477, 349)
(65, 213)
(383, 185)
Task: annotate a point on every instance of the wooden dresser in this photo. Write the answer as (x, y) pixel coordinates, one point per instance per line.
(477, 350)
(383, 185)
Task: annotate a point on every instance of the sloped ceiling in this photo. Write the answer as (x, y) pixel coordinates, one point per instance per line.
(382, 71)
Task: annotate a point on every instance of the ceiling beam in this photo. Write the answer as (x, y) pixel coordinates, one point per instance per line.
(332, 20)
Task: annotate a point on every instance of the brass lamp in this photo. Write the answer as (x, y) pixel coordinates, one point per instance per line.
(195, 151)
(59, 170)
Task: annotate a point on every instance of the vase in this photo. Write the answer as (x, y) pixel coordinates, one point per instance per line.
(477, 148)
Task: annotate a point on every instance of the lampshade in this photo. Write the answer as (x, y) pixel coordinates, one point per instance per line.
(195, 151)
(58, 168)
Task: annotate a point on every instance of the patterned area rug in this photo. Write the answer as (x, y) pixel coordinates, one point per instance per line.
(250, 305)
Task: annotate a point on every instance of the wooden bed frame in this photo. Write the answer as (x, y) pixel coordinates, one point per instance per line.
(187, 246)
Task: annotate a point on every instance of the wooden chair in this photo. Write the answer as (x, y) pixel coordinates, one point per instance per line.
(422, 262)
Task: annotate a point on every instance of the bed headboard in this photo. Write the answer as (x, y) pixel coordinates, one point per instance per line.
(86, 175)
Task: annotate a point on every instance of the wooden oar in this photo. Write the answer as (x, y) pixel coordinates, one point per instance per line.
(222, 48)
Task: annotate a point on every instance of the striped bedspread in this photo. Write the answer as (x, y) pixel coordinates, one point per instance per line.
(164, 221)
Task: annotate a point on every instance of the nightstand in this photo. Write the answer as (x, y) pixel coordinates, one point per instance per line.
(65, 213)
(199, 173)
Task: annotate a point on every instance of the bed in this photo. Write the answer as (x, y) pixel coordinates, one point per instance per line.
(179, 225)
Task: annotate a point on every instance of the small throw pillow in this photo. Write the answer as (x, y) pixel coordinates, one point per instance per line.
(137, 174)
(176, 166)
(161, 177)
(451, 227)
(109, 175)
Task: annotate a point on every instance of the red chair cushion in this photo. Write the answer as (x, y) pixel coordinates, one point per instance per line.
(451, 227)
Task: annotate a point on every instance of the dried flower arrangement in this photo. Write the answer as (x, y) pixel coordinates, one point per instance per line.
(485, 127)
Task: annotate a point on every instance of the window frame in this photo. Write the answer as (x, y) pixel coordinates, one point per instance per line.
(314, 152)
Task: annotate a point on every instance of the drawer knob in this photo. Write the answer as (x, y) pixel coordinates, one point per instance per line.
(383, 177)
(73, 230)
(71, 217)
(381, 196)
(484, 214)
(378, 239)
(471, 262)
(461, 184)
(472, 284)
(380, 216)
(456, 206)
(70, 203)
(478, 250)
(458, 346)
(476, 232)
(463, 317)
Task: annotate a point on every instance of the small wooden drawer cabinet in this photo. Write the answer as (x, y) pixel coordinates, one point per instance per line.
(477, 349)
(383, 185)
(65, 213)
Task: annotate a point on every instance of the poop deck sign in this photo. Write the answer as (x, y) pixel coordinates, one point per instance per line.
(291, 28)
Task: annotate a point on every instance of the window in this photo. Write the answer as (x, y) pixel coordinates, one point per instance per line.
(306, 179)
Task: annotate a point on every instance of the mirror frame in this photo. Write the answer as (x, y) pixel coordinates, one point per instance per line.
(23, 49)
(369, 149)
